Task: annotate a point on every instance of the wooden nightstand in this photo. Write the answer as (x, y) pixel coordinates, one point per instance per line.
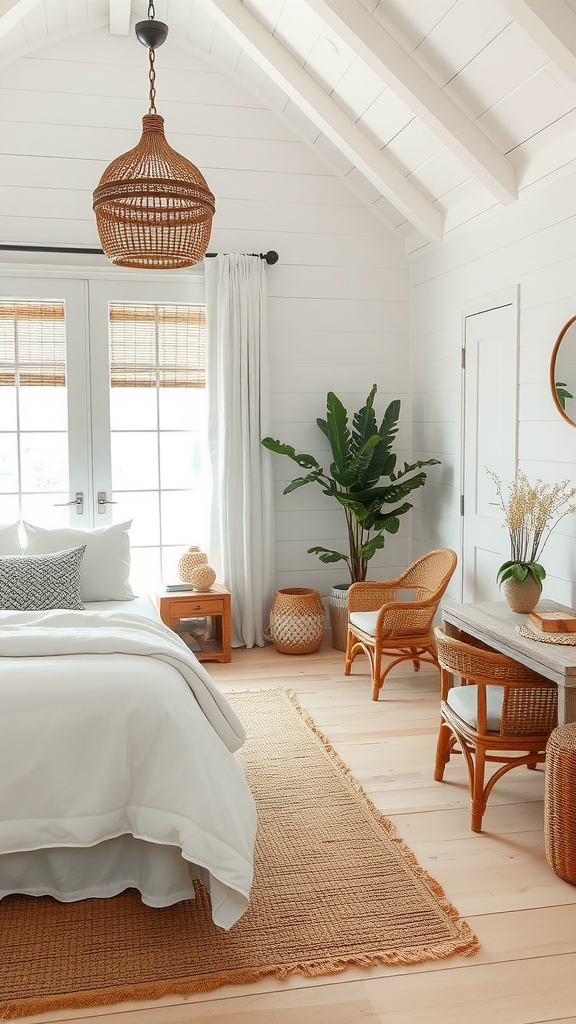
(212, 604)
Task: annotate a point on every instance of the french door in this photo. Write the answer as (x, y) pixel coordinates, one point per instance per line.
(103, 410)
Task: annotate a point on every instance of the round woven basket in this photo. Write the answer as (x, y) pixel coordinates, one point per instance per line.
(560, 802)
(202, 577)
(297, 620)
(189, 561)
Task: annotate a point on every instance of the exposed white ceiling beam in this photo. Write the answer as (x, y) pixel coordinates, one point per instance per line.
(325, 113)
(12, 11)
(360, 30)
(120, 17)
(551, 24)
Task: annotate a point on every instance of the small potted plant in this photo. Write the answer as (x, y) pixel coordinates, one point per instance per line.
(362, 456)
(531, 512)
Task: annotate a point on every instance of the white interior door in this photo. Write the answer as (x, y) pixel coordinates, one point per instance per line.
(490, 430)
(45, 456)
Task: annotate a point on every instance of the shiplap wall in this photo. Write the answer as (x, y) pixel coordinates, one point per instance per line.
(339, 297)
(531, 245)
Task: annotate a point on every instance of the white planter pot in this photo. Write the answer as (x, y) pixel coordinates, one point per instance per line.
(339, 615)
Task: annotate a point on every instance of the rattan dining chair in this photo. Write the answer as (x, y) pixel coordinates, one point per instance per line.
(381, 622)
(501, 706)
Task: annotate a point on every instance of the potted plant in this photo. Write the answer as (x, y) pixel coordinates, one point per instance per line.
(528, 512)
(362, 457)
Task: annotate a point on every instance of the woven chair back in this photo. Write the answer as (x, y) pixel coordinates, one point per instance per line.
(431, 573)
(530, 709)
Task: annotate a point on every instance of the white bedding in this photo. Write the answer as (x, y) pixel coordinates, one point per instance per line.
(126, 743)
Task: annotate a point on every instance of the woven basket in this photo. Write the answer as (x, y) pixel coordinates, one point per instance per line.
(297, 620)
(192, 558)
(202, 577)
(560, 802)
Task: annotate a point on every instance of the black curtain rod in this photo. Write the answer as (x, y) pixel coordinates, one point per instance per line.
(271, 257)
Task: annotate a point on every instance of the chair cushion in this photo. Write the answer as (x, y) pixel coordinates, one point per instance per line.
(366, 621)
(464, 701)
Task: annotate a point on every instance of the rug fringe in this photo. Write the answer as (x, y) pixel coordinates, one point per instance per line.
(209, 983)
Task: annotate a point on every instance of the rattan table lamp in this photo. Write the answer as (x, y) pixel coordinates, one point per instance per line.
(153, 206)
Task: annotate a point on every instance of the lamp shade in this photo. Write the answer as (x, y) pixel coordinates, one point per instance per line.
(153, 207)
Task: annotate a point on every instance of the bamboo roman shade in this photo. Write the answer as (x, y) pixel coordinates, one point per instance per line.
(32, 344)
(157, 345)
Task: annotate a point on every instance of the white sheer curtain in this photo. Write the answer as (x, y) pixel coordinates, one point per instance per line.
(242, 520)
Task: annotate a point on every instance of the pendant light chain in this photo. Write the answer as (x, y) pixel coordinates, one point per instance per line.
(152, 78)
(152, 72)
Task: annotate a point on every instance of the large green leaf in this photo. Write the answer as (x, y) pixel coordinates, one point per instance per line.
(338, 432)
(326, 555)
(364, 422)
(415, 465)
(305, 461)
(388, 429)
(363, 458)
(380, 520)
(344, 479)
(392, 492)
(374, 544)
(300, 482)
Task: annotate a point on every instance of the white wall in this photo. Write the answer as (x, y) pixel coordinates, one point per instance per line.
(533, 245)
(339, 297)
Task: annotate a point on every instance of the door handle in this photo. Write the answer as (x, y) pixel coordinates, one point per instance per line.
(78, 501)
(103, 501)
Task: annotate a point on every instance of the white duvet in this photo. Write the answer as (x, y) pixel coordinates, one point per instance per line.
(109, 727)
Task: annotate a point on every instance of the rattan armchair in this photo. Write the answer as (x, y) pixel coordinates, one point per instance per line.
(381, 624)
(501, 706)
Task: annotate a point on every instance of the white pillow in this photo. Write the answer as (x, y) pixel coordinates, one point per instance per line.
(106, 564)
(10, 540)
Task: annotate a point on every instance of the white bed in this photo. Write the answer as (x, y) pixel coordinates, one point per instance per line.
(113, 772)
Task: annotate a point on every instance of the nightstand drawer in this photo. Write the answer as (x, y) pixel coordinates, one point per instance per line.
(180, 609)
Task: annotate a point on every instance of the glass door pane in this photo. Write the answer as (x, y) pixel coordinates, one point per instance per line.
(151, 457)
(44, 458)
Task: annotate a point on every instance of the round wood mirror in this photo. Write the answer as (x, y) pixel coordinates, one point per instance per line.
(563, 372)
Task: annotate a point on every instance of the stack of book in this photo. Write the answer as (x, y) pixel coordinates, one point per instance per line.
(553, 622)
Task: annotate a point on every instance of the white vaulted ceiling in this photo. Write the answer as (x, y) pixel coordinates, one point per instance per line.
(432, 111)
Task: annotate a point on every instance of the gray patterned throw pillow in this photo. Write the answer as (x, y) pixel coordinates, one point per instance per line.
(39, 582)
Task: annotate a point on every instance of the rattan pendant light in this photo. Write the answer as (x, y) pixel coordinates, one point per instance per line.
(153, 207)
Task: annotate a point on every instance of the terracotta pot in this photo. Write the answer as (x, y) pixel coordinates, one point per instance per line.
(522, 597)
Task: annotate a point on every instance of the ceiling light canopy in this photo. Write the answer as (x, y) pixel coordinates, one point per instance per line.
(153, 207)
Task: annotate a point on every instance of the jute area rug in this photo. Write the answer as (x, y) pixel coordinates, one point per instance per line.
(334, 887)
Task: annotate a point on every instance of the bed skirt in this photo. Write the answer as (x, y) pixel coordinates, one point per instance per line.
(159, 872)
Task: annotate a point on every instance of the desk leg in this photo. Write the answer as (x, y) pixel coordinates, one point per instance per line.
(566, 704)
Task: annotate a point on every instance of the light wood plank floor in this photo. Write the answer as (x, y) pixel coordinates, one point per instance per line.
(524, 916)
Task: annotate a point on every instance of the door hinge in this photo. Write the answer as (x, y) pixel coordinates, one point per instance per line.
(463, 358)
(461, 504)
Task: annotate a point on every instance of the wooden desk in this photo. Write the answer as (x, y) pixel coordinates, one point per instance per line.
(214, 604)
(495, 624)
